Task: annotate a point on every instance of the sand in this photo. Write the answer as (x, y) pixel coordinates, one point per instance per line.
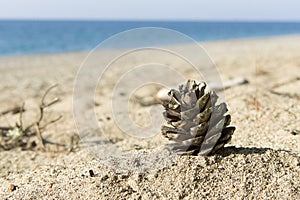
(262, 161)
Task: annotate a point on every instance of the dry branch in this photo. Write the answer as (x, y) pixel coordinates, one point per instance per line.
(19, 136)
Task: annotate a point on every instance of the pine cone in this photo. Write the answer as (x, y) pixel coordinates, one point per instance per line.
(195, 124)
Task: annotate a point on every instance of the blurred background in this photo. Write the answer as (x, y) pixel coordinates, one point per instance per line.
(55, 26)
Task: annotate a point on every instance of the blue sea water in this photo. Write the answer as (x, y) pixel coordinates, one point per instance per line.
(39, 37)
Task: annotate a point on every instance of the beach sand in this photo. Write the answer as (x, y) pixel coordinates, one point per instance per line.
(261, 161)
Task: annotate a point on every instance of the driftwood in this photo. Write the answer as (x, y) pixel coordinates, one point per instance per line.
(162, 94)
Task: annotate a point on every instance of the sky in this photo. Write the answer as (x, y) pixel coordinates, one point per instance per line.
(249, 10)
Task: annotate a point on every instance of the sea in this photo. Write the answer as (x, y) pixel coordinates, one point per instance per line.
(43, 37)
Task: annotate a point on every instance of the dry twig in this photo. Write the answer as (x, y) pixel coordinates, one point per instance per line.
(14, 110)
(289, 95)
(19, 135)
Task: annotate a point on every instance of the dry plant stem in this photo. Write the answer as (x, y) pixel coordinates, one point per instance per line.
(289, 95)
(285, 83)
(286, 94)
(5, 128)
(44, 105)
(51, 122)
(39, 135)
(13, 110)
(21, 118)
(34, 129)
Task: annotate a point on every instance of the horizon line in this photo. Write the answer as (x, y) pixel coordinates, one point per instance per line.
(149, 20)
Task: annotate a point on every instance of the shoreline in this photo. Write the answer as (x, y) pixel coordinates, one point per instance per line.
(204, 42)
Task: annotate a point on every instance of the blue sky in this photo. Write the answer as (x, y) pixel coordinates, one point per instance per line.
(262, 10)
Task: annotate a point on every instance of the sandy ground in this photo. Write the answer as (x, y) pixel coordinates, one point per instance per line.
(262, 161)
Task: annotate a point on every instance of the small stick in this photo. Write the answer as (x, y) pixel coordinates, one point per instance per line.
(21, 117)
(158, 100)
(285, 94)
(13, 110)
(52, 121)
(44, 105)
(46, 93)
(39, 135)
(284, 83)
(4, 128)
